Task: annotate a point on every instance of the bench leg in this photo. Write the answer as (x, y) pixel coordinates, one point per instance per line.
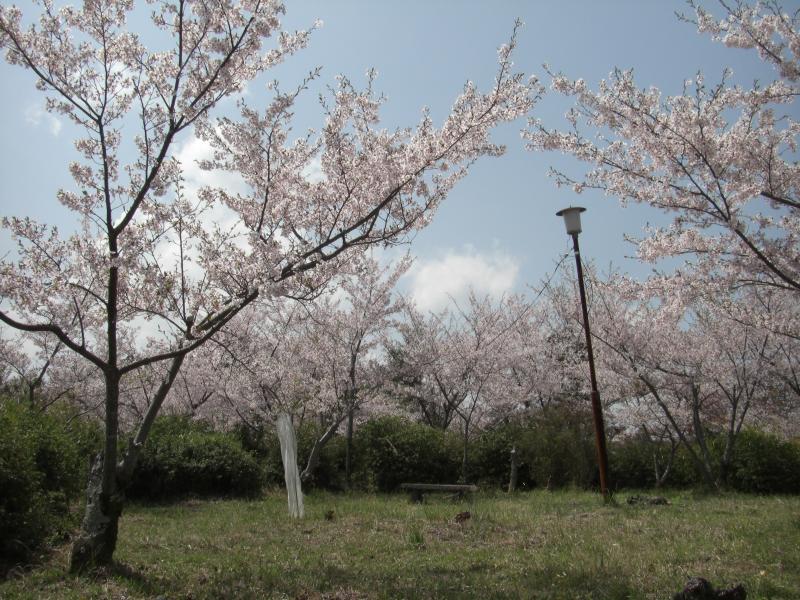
(416, 496)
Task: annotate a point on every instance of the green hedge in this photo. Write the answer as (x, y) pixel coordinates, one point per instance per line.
(765, 464)
(554, 448)
(389, 451)
(490, 457)
(330, 471)
(631, 465)
(44, 460)
(386, 452)
(184, 457)
(762, 463)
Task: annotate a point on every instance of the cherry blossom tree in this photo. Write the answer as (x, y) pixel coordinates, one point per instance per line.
(25, 373)
(355, 325)
(687, 368)
(457, 363)
(37, 370)
(313, 361)
(548, 362)
(774, 315)
(195, 392)
(270, 370)
(409, 359)
(703, 342)
(718, 158)
(150, 273)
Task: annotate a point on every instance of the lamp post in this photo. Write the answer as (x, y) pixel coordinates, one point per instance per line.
(572, 220)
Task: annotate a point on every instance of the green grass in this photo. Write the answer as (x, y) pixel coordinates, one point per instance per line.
(533, 545)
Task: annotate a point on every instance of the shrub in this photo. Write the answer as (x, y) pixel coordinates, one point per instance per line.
(558, 447)
(42, 468)
(555, 447)
(631, 464)
(763, 463)
(184, 457)
(390, 451)
(270, 457)
(490, 454)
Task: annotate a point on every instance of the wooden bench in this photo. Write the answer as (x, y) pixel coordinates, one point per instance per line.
(418, 489)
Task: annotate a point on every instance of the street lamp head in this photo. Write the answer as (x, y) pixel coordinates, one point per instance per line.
(572, 218)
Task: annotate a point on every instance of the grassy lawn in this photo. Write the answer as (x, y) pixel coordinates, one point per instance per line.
(532, 545)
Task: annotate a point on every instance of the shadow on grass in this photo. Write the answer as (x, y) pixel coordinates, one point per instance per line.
(133, 579)
(471, 581)
(35, 560)
(595, 583)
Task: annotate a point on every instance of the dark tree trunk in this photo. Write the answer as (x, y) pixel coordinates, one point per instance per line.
(705, 459)
(703, 466)
(97, 539)
(105, 491)
(660, 473)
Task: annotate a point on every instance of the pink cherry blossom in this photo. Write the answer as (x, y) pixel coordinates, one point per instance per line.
(150, 276)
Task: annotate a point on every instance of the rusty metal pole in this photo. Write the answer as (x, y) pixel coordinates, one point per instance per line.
(597, 408)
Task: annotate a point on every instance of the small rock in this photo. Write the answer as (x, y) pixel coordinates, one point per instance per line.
(462, 516)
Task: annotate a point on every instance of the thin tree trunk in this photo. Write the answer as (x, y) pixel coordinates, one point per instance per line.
(701, 465)
(662, 474)
(348, 457)
(707, 462)
(97, 539)
(129, 462)
(351, 397)
(464, 454)
(673, 448)
(313, 457)
(659, 473)
(734, 426)
(288, 441)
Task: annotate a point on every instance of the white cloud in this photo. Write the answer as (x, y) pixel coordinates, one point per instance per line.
(434, 282)
(194, 150)
(36, 115)
(312, 172)
(194, 178)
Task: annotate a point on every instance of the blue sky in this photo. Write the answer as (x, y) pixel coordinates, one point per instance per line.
(497, 231)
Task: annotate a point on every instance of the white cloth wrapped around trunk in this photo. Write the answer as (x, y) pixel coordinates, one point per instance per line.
(291, 473)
